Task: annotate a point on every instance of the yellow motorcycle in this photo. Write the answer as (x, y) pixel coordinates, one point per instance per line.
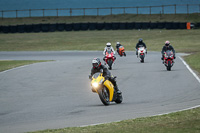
(105, 89)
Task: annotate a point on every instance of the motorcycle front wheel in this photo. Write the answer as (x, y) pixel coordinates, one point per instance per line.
(169, 66)
(104, 96)
(110, 64)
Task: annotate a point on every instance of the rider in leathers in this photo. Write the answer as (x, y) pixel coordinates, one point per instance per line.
(108, 46)
(140, 44)
(166, 47)
(117, 47)
(98, 67)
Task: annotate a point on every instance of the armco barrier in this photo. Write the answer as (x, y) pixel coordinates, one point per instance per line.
(93, 26)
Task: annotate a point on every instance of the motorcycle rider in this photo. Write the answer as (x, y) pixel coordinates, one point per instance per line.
(117, 47)
(98, 67)
(108, 47)
(140, 44)
(166, 47)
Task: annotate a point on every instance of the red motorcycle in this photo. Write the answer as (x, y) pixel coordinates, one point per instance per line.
(168, 59)
(109, 59)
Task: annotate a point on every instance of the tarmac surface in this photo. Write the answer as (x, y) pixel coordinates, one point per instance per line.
(57, 94)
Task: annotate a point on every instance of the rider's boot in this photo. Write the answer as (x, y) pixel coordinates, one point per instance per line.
(117, 89)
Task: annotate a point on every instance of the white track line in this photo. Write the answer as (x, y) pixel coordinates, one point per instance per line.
(188, 67)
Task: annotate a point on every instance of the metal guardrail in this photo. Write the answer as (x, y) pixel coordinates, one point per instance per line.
(163, 9)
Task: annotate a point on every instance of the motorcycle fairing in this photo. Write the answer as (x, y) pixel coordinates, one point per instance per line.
(110, 87)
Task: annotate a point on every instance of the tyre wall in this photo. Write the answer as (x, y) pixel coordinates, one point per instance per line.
(93, 26)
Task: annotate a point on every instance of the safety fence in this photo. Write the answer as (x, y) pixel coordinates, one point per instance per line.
(93, 26)
(162, 9)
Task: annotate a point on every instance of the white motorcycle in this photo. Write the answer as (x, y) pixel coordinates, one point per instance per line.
(141, 53)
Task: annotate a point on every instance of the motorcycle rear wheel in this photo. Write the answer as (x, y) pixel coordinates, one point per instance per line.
(104, 96)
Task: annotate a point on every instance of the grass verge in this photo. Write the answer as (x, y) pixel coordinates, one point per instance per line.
(182, 40)
(9, 64)
(193, 61)
(179, 122)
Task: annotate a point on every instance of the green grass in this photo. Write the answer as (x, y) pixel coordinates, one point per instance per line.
(194, 61)
(179, 122)
(9, 64)
(182, 40)
(109, 18)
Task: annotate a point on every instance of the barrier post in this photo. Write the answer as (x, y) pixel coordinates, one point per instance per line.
(16, 14)
(150, 10)
(188, 25)
(175, 8)
(30, 13)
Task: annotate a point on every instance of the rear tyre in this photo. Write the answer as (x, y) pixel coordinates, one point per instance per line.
(104, 96)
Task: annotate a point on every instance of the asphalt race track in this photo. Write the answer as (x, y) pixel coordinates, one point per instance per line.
(57, 94)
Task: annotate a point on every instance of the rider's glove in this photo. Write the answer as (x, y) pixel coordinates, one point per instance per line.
(90, 76)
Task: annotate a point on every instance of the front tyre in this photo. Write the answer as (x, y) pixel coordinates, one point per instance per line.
(142, 58)
(104, 96)
(110, 64)
(169, 66)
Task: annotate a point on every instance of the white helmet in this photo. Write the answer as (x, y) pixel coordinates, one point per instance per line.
(118, 43)
(108, 44)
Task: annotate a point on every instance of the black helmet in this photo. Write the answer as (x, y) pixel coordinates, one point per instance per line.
(140, 40)
(96, 63)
